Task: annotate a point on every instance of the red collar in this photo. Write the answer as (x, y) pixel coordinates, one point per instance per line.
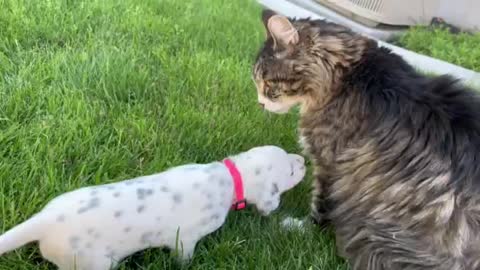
(239, 201)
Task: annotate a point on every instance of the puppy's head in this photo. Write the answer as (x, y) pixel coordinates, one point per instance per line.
(267, 172)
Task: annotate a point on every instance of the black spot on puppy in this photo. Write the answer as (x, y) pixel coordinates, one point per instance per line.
(141, 193)
(208, 207)
(177, 197)
(222, 182)
(205, 221)
(275, 189)
(61, 218)
(110, 254)
(145, 238)
(74, 240)
(93, 203)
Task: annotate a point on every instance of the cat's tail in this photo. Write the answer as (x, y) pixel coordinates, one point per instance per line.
(24, 233)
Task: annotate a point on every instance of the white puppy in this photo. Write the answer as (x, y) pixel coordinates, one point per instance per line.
(94, 228)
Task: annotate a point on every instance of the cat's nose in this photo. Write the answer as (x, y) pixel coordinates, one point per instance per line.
(261, 105)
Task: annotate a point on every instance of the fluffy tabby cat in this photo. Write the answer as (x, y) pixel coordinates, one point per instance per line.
(396, 153)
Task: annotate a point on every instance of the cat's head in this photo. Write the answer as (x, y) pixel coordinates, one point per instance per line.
(302, 60)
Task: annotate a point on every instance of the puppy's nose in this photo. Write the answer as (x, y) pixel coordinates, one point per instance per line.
(261, 105)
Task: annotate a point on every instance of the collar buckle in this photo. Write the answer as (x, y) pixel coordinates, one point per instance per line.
(239, 205)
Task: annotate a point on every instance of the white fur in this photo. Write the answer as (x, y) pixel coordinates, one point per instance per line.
(94, 228)
(281, 106)
(291, 223)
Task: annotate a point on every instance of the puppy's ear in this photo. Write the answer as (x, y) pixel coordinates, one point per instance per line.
(295, 158)
(297, 164)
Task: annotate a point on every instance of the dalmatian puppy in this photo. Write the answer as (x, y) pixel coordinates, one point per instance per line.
(94, 228)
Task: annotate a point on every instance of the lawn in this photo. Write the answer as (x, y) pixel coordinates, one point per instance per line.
(97, 91)
(460, 49)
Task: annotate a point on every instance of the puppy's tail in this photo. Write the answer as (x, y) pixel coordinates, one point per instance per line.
(22, 234)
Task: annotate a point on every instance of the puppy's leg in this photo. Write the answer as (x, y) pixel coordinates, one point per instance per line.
(102, 263)
(90, 263)
(58, 253)
(186, 250)
(94, 261)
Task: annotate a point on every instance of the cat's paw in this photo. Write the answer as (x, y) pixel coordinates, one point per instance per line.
(291, 223)
(319, 220)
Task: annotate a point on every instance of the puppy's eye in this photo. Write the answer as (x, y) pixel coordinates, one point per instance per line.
(291, 174)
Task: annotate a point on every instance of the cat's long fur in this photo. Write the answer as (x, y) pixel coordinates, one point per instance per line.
(396, 153)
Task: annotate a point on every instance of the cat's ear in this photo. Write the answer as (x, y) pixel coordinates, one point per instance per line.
(282, 30)
(266, 15)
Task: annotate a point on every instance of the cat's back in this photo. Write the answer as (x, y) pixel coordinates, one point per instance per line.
(437, 110)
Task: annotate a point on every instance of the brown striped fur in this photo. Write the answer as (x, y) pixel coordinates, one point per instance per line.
(396, 154)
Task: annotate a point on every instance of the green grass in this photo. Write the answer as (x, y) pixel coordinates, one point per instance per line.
(98, 91)
(462, 49)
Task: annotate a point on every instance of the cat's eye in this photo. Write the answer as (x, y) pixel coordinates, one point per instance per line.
(270, 91)
(272, 94)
